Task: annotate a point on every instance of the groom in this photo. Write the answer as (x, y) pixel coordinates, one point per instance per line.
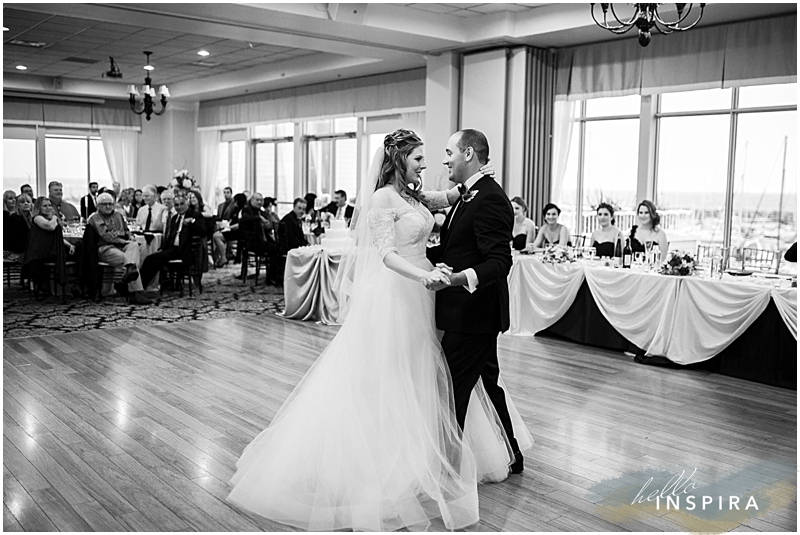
(473, 310)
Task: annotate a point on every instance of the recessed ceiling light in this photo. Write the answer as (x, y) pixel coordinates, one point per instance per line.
(204, 53)
(149, 68)
(22, 68)
(5, 29)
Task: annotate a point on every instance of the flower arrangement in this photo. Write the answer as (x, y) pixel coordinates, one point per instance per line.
(183, 180)
(679, 264)
(559, 254)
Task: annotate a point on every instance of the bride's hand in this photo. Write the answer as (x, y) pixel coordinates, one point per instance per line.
(487, 169)
(444, 268)
(435, 277)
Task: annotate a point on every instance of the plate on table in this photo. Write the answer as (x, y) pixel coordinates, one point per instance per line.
(739, 273)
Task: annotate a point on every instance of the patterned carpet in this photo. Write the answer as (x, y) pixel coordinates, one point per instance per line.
(222, 296)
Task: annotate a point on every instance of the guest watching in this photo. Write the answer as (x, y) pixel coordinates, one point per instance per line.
(45, 244)
(605, 238)
(168, 201)
(150, 216)
(61, 208)
(26, 189)
(125, 203)
(339, 207)
(228, 232)
(311, 212)
(226, 209)
(16, 227)
(648, 229)
(116, 247)
(293, 226)
(9, 204)
(524, 228)
(177, 244)
(552, 232)
(197, 205)
(138, 201)
(258, 228)
(89, 202)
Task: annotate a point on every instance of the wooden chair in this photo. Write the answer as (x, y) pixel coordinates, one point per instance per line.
(254, 253)
(577, 240)
(50, 267)
(12, 269)
(177, 270)
(106, 273)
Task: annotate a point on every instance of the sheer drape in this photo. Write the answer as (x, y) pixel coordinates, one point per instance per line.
(122, 151)
(209, 161)
(564, 114)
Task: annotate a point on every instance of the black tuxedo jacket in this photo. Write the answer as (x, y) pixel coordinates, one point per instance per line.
(184, 250)
(294, 233)
(88, 206)
(476, 235)
(333, 208)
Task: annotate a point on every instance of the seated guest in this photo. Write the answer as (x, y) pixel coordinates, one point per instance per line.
(16, 229)
(177, 244)
(293, 226)
(138, 201)
(125, 204)
(26, 189)
(89, 202)
(605, 238)
(552, 232)
(524, 229)
(258, 229)
(9, 204)
(167, 200)
(159, 191)
(61, 208)
(311, 212)
(150, 216)
(228, 232)
(648, 229)
(46, 243)
(225, 209)
(199, 210)
(339, 207)
(117, 188)
(117, 247)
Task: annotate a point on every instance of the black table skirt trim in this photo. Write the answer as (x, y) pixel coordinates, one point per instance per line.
(765, 353)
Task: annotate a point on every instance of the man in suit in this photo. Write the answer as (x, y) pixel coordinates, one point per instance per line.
(177, 244)
(293, 226)
(89, 202)
(226, 209)
(150, 216)
(473, 309)
(339, 207)
(261, 233)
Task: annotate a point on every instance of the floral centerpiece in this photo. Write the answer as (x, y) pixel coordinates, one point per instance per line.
(559, 254)
(183, 180)
(679, 264)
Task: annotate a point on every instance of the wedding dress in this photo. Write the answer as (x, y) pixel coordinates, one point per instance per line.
(368, 439)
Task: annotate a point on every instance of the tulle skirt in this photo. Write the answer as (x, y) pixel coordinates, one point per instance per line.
(368, 439)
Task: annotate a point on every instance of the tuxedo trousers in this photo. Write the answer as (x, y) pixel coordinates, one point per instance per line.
(471, 357)
(155, 262)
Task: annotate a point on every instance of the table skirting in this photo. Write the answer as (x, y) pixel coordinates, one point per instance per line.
(308, 282)
(686, 319)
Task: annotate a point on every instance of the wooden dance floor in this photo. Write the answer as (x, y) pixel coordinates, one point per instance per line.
(139, 429)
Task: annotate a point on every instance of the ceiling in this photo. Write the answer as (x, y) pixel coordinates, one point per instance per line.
(257, 47)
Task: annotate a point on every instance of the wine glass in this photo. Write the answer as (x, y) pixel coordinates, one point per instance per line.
(639, 259)
(591, 252)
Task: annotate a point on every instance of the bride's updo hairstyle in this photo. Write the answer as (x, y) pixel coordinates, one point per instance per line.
(397, 146)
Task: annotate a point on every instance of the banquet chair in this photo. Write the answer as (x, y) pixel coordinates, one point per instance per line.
(12, 269)
(175, 271)
(760, 259)
(578, 240)
(253, 253)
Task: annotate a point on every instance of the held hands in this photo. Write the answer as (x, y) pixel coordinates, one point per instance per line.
(438, 278)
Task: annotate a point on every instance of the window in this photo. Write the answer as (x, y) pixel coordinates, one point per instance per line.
(274, 161)
(75, 161)
(21, 168)
(332, 157)
(230, 169)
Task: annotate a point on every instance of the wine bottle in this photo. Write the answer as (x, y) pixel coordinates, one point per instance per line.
(627, 254)
(617, 252)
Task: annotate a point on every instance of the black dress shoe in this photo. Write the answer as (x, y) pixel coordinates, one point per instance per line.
(517, 467)
(121, 289)
(131, 274)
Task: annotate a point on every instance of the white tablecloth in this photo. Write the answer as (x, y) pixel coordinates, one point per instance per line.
(686, 319)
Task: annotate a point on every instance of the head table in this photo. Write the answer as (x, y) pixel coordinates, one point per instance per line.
(685, 319)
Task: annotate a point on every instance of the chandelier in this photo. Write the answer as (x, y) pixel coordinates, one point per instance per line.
(147, 104)
(645, 17)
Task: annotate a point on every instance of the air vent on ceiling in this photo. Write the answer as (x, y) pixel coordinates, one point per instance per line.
(85, 61)
(205, 64)
(30, 44)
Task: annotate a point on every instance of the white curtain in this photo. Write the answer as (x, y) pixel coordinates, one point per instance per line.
(122, 152)
(209, 161)
(564, 114)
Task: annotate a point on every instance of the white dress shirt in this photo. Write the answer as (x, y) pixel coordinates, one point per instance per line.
(156, 222)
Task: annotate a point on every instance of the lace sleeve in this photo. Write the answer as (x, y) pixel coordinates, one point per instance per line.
(435, 200)
(381, 225)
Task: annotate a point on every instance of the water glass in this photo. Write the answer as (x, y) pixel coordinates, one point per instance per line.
(591, 252)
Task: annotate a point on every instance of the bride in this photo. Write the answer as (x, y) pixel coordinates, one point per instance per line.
(368, 439)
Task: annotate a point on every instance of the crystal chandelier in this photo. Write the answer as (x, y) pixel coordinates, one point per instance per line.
(147, 104)
(645, 17)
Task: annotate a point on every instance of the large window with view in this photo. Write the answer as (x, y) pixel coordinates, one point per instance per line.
(332, 156)
(21, 168)
(75, 161)
(274, 161)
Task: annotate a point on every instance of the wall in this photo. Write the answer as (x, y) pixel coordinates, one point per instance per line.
(167, 143)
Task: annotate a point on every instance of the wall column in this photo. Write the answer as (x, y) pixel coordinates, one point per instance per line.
(441, 113)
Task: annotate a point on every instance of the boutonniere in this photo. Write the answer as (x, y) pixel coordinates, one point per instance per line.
(466, 196)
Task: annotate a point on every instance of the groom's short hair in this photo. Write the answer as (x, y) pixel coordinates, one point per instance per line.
(476, 140)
